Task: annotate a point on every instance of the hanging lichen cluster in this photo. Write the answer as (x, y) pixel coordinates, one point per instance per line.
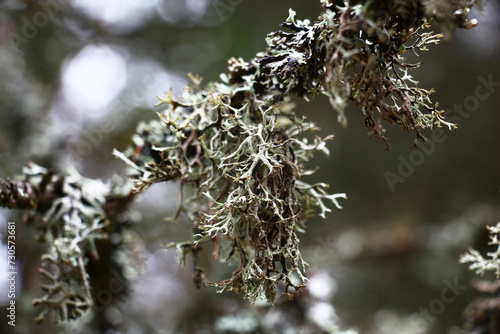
(240, 151)
(242, 159)
(72, 214)
(364, 53)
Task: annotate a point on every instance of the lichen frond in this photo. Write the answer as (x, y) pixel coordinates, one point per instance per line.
(491, 262)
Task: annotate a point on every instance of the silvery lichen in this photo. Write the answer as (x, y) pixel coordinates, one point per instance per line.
(484, 308)
(243, 159)
(240, 151)
(72, 215)
(481, 264)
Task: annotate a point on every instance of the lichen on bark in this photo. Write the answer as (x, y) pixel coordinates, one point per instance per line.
(242, 150)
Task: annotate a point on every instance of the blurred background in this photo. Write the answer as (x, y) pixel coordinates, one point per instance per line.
(77, 76)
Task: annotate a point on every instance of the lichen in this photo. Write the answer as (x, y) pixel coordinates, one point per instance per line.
(242, 150)
(481, 264)
(71, 214)
(243, 159)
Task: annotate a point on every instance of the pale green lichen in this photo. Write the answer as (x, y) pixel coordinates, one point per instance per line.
(242, 151)
(72, 215)
(481, 264)
(242, 162)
